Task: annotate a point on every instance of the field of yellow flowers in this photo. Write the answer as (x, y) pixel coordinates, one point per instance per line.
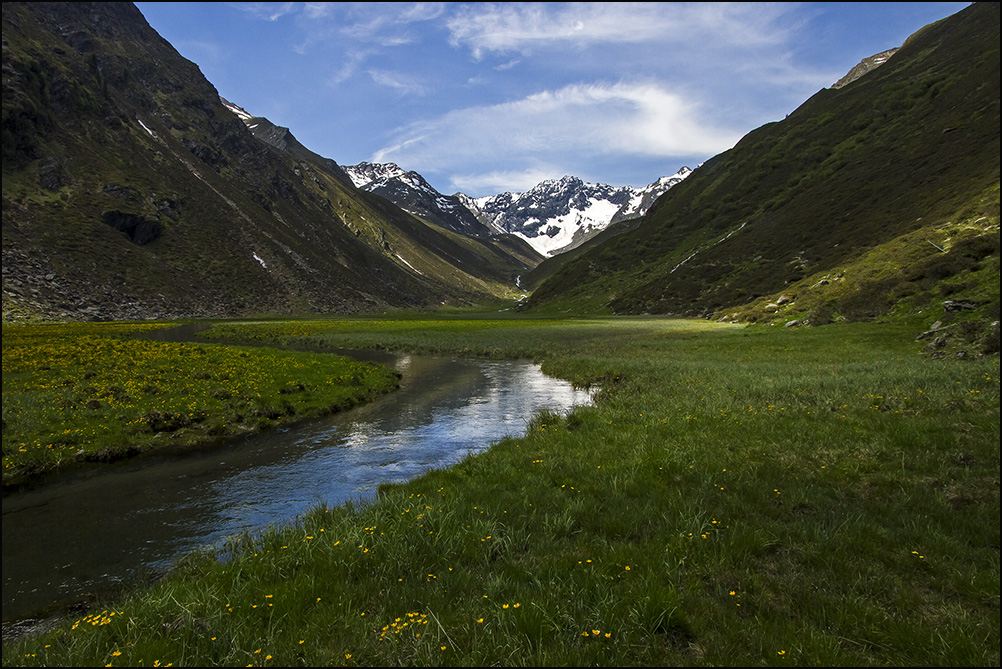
(735, 496)
(78, 393)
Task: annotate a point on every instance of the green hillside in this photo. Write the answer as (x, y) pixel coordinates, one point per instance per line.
(130, 191)
(880, 197)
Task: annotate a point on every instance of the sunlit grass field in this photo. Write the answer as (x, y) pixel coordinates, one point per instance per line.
(80, 393)
(735, 496)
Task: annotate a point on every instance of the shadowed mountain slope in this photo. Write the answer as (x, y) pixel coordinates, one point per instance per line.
(131, 191)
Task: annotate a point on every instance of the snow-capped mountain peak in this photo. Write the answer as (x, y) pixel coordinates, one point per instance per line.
(553, 216)
(365, 173)
(559, 214)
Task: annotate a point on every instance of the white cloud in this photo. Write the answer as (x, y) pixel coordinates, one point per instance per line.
(267, 11)
(582, 120)
(524, 26)
(358, 32)
(376, 23)
(351, 63)
(318, 10)
(422, 11)
(397, 82)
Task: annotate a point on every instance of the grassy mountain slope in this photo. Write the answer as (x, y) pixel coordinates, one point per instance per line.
(908, 152)
(129, 190)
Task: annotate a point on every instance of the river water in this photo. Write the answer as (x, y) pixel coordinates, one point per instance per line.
(93, 531)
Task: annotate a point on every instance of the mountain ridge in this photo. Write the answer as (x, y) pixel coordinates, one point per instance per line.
(911, 148)
(283, 139)
(131, 191)
(553, 216)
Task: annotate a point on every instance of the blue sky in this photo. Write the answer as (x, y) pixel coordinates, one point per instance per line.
(483, 98)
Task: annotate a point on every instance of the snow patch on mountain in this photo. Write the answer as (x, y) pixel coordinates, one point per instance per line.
(239, 111)
(364, 174)
(560, 231)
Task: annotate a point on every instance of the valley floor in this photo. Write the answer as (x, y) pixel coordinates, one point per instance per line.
(735, 496)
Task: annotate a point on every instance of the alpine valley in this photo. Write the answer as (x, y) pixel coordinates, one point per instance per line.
(132, 190)
(747, 415)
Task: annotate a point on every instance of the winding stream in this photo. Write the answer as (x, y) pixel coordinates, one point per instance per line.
(96, 530)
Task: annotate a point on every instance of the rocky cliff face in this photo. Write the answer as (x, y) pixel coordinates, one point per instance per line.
(866, 65)
(283, 140)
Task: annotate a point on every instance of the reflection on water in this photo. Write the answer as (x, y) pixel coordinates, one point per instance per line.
(96, 529)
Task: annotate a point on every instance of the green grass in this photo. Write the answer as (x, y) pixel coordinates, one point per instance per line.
(908, 278)
(80, 393)
(466, 334)
(736, 496)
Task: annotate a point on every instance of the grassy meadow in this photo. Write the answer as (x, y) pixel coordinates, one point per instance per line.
(79, 393)
(735, 496)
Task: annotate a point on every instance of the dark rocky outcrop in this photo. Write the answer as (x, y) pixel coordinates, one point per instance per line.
(139, 229)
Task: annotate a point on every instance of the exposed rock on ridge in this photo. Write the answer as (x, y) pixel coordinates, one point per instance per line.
(283, 140)
(866, 65)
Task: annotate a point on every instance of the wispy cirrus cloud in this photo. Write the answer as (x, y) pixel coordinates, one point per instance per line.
(356, 33)
(526, 26)
(734, 53)
(498, 128)
(402, 84)
(421, 11)
(267, 11)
